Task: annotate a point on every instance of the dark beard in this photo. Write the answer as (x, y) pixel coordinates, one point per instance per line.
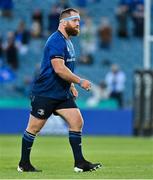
(71, 31)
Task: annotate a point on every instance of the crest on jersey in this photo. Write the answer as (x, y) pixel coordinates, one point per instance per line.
(41, 112)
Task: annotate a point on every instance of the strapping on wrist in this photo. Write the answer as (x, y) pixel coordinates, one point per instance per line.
(81, 81)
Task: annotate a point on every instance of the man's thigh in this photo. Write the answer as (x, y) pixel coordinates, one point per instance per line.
(35, 124)
(73, 117)
(42, 108)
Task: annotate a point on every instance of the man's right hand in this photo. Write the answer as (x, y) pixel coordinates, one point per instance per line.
(85, 84)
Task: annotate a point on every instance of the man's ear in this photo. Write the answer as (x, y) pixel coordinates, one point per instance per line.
(64, 23)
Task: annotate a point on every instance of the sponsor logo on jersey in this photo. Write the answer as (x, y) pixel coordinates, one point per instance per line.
(70, 60)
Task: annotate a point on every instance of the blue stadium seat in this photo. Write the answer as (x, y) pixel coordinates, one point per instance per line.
(126, 53)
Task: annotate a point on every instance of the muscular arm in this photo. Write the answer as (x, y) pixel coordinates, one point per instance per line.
(62, 71)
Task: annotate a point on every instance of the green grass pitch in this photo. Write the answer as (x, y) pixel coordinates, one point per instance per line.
(122, 158)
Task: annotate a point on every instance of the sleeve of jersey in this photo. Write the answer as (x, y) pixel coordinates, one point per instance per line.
(56, 51)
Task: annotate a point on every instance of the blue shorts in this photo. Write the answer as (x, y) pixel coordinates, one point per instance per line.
(43, 107)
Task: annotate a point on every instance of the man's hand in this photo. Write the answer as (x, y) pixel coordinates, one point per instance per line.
(74, 91)
(85, 84)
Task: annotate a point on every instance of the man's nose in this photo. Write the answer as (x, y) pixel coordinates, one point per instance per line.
(77, 23)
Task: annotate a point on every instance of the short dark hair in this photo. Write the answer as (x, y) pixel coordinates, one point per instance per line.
(67, 12)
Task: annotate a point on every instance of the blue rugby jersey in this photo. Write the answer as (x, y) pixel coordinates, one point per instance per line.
(48, 83)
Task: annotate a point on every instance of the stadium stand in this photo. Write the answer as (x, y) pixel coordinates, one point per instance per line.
(125, 52)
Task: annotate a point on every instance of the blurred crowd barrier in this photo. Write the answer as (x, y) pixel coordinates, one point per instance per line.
(97, 122)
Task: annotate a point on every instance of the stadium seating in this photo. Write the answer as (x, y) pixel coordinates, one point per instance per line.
(126, 53)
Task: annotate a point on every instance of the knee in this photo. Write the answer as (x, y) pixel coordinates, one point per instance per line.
(77, 126)
(80, 124)
(33, 129)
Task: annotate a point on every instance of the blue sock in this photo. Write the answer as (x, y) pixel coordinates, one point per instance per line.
(75, 142)
(27, 142)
